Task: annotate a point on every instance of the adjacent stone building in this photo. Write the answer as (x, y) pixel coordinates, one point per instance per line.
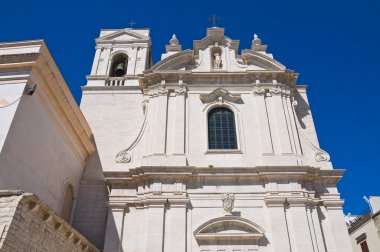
(364, 229)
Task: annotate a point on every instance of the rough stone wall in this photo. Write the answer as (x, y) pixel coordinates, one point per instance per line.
(27, 224)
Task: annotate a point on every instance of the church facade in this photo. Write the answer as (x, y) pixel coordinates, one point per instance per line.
(207, 150)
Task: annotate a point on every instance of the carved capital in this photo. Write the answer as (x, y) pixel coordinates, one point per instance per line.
(258, 90)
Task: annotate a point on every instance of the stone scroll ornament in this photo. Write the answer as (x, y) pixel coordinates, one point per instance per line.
(228, 202)
(125, 156)
(319, 154)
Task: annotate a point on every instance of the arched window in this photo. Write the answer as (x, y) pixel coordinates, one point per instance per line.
(68, 201)
(221, 129)
(119, 65)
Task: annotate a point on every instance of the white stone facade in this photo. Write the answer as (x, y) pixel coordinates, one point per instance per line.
(169, 191)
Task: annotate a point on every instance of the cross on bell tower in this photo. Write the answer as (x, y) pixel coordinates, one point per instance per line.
(132, 23)
(214, 19)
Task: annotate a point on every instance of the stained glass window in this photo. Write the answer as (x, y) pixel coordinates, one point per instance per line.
(221, 129)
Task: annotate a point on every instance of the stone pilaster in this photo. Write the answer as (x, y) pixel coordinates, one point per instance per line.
(282, 127)
(337, 223)
(114, 231)
(299, 229)
(175, 225)
(263, 120)
(160, 125)
(278, 223)
(179, 130)
(155, 228)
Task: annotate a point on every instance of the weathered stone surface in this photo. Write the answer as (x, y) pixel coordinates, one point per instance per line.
(27, 224)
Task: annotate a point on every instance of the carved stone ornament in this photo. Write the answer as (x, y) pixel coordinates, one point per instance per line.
(181, 90)
(219, 94)
(125, 156)
(319, 154)
(258, 90)
(228, 202)
(158, 91)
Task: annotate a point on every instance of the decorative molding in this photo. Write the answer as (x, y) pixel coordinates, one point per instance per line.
(126, 156)
(258, 90)
(219, 94)
(158, 91)
(229, 228)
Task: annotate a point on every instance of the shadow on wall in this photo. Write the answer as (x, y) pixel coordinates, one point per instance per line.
(302, 108)
(90, 217)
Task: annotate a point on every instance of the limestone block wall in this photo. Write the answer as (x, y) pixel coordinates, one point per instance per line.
(27, 224)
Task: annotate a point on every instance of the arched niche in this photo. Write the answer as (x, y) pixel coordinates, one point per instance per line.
(67, 202)
(229, 229)
(216, 58)
(119, 65)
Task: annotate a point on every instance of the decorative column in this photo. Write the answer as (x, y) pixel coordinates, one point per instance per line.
(96, 62)
(155, 228)
(175, 225)
(337, 223)
(278, 223)
(282, 126)
(132, 60)
(262, 115)
(159, 143)
(179, 130)
(299, 227)
(315, 226)
(114, 231)
(103, 61)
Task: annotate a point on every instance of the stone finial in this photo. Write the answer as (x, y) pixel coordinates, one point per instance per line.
(174, 45)
(174, 40)
(256, 44)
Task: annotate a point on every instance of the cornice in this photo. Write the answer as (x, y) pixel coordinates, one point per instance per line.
(305, 173)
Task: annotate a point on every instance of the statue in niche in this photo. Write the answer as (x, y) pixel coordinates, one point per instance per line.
(217, 61)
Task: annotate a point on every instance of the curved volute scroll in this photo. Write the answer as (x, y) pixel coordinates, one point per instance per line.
(229, 228)
(126, 156)
(220, 94)
(319, 154)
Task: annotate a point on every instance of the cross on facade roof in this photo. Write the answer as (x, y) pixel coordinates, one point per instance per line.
(132, 23)
(214, 19)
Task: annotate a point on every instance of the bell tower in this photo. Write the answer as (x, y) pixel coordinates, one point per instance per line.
(120, 56)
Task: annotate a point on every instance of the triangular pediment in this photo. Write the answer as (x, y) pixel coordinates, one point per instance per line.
(122, 35)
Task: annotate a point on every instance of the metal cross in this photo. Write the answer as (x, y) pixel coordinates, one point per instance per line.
(132, 23)
(214, 19)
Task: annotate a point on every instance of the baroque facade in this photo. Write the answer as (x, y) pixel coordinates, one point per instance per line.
(208, 149)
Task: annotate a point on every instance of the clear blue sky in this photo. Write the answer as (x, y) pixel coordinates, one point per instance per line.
(334, 45)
